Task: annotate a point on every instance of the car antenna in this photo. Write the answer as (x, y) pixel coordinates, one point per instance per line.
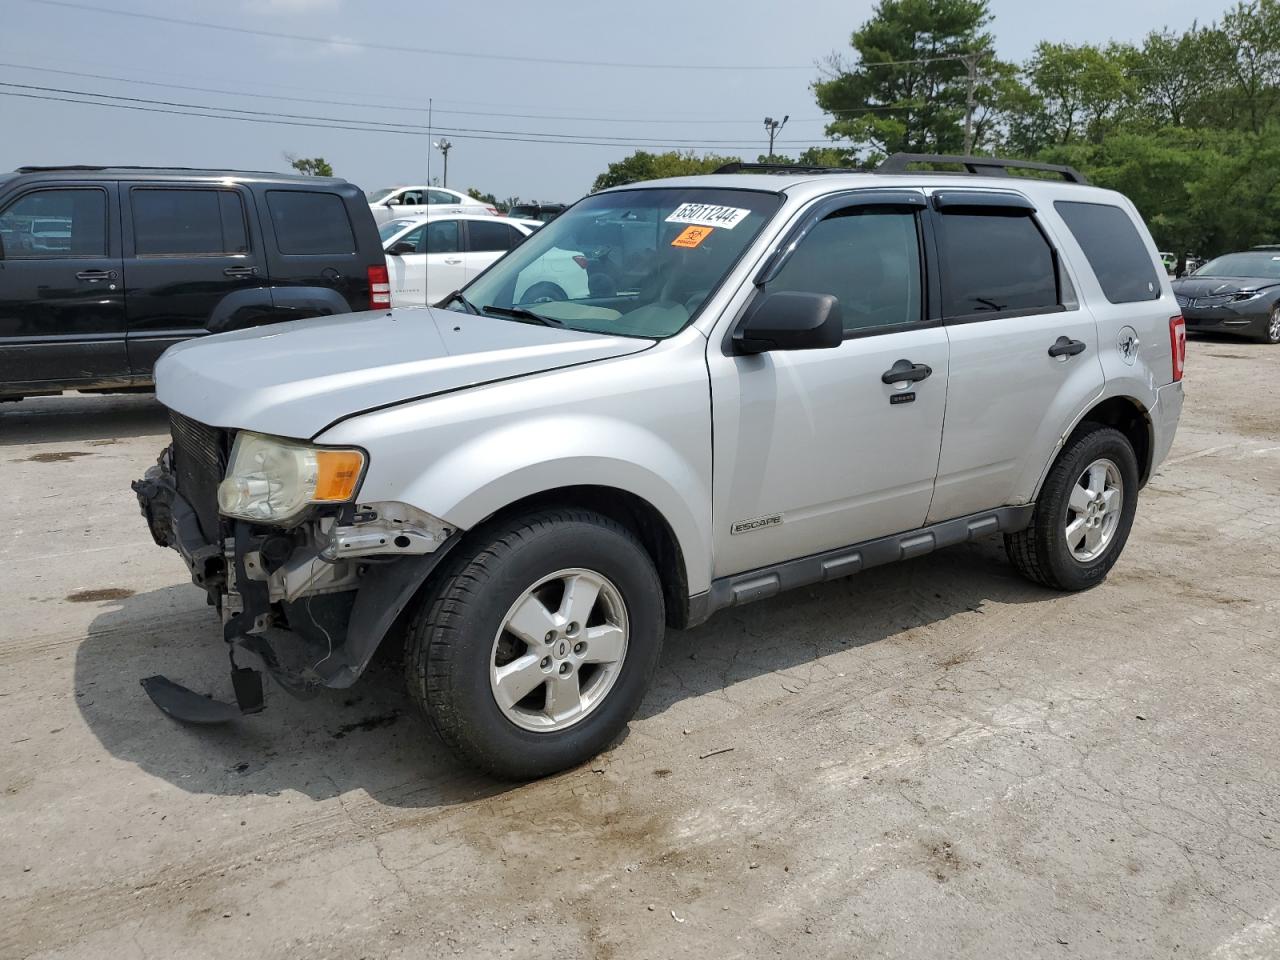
(426, 224)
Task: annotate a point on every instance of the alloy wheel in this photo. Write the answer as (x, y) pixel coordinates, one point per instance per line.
(1273, 326)
(1093, 510)
(559, 650)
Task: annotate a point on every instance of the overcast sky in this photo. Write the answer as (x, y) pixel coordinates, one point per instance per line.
(756, 58)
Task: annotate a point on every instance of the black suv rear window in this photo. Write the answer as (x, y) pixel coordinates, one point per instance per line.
(308, 222)
(995, 262)
(1114, 249)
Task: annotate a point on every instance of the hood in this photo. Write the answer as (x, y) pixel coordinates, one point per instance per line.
(294, 379)
(1219, 286)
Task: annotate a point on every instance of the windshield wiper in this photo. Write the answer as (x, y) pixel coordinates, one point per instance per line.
(522, 315)
(457, 295)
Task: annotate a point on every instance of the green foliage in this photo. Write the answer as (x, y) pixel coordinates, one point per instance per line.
(310, 166)
(502, 205)
(642, 165)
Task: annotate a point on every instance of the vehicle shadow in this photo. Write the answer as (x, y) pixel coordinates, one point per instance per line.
(371, 737)
(78, 417)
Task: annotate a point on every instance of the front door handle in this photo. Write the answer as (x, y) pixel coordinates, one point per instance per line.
(905, 370)
(94, 275)
(454, 261)
(1066, 347)
(240, 272)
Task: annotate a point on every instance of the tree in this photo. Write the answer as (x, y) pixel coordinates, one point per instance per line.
(908, 87)
(642, 165)
(502, 206)
(311, 167)
(1252, 32)
(1078, 92)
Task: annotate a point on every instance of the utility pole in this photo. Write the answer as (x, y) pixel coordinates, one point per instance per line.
(443, 145)
(774, 127)
(971, 64)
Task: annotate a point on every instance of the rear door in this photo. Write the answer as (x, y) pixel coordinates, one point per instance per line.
(193, 263)
(1024, 351)
(487, 241)
(62, 314)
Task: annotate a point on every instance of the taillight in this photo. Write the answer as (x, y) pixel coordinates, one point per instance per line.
(1178, 345)
(379, 288)
(581, 261)
(494, 211)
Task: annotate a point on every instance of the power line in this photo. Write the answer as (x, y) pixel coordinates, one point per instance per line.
(398, 48)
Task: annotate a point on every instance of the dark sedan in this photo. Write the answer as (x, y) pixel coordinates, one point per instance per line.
(1234, 293)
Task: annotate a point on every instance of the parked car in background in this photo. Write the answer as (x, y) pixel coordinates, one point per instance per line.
(430, 256)
(391, 203)
(103, 268)
(542, 212)
(1236, 293)
(816, 374)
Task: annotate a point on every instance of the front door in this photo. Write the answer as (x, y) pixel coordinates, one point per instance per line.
(1024, 352)
(62, 316)
(194, 265)
(487, 241)
(435, 271)
(813, 449)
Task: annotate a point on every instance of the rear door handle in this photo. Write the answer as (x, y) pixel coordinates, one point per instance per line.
(1066, 347)
(94, 275)
(240, 272)
(905, 370)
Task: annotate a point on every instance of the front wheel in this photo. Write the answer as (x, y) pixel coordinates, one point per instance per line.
(1271, 330)
(1083, 514)
(538, 644)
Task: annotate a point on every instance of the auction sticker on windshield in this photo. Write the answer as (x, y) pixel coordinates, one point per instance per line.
(690, 237)
(708, 215)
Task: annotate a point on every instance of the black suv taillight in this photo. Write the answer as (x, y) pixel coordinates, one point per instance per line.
(379, 288)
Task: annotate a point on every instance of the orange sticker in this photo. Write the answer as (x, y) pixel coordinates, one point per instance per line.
(691, 237)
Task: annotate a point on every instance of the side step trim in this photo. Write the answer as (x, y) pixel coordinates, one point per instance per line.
(769, 581)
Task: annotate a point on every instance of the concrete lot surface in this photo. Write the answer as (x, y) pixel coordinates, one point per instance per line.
(935, 759)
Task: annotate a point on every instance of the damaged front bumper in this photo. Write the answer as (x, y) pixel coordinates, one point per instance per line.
(308, 605)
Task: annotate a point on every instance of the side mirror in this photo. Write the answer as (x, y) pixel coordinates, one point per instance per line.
(790, 320)
(401, 247)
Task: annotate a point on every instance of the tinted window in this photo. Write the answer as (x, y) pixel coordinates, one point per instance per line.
(439, 196)
(55, 223)
(868, 258)
(994, 261)
(484, 236)
(310, 223)
(1114, 249)
(442, 237)
(187, 222)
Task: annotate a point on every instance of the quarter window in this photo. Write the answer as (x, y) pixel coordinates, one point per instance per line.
(310, 223)
(187, 222)
(995, 261)
(47, 224)
(1114, 249)
(868, 258)
(483, 236)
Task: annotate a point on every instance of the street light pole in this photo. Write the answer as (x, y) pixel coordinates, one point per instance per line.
(773, 128)
(443, 145)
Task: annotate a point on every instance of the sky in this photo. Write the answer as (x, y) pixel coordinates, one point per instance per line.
(495, 73)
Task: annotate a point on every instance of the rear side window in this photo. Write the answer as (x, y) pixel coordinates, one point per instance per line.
(187, 222)
(310, 223)
(47, 224)
(483, 236)
(441, 237)
(1114, 249)
(995, 262)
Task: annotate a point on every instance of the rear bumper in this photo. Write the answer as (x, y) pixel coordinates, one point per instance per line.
(1164, 421)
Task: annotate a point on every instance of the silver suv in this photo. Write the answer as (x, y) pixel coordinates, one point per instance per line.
(768, 379)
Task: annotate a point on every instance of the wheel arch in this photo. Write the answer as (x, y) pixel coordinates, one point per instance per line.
(1126, 414)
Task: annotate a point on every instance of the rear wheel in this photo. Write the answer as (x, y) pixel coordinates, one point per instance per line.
(1083, 514)
(536, 647)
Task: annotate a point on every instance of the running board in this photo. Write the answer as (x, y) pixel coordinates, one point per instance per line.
(769, 581)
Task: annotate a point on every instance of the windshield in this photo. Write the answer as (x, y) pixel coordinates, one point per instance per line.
(389, 229)
(1258, 263)
(638, 263)
(376, 195)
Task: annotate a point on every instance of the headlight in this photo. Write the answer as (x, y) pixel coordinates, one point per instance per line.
(1244, 295)
(272, 480)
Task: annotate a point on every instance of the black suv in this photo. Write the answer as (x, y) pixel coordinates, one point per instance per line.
(102, 268)
(546, 212)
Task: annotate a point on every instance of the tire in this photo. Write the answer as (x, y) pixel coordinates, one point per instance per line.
(1270, 332)
(513, 574)
(1052, 553)
(544, 291)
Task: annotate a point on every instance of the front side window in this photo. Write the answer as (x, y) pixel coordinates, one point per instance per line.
(48, 224)
(441, 237)
(1114, 249)
(638, 262)
(485, 237)
(309, 222)
(868, 258)
(187, 222)
(995, 261)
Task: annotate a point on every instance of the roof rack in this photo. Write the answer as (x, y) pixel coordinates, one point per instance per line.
(982, 166)
(737, 166)
(58, 167)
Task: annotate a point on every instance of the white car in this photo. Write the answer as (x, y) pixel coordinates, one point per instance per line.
(390, 203)
(429, 256)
